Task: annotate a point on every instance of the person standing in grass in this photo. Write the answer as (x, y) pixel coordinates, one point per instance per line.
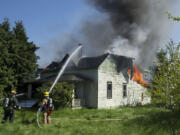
(47, 108)
(9, 104)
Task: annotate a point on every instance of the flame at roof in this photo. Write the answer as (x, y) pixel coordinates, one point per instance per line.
(138, 76)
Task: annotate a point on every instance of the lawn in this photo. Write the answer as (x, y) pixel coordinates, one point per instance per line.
(145, 120)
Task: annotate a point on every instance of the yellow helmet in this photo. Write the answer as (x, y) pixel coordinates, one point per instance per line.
(46, 94)
(13, 91)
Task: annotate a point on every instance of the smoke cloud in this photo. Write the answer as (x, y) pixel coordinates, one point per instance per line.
(138, 26)
(133, 28)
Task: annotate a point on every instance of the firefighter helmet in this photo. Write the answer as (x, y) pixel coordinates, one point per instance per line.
(13, 91)
(46, 94)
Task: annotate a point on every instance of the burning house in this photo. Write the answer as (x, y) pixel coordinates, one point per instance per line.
(104, 81)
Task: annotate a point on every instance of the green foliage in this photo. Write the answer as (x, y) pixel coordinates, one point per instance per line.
(166, 81)
(17, 56)
(172, 17)
(62, 93)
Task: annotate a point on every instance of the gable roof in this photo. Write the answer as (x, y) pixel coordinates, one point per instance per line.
(91, 62)
(95, 62)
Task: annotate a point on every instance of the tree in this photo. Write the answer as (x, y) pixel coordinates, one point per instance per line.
(23, 54)
(7, 80)
(17, 56)
(166, 80)
(165, 88)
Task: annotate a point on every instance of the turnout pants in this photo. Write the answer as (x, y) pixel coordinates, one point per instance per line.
(9, 113)
(46, 118)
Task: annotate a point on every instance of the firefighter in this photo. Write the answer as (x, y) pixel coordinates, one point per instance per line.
(47, 108)
(9, 104)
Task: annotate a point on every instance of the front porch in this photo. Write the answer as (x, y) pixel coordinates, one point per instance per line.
(78, 103)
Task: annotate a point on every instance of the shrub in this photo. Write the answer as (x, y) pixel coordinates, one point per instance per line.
(62, 93)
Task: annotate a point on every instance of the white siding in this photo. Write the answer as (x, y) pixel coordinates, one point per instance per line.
(117, 94)
(90, 88)
(135, 94)
(107, 72)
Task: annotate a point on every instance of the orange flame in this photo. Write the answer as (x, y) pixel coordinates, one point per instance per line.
(138, 76)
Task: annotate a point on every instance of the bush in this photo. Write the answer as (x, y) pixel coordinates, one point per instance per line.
(62, 93)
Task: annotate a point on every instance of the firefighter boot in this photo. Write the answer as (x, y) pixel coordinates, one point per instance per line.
(48, 120)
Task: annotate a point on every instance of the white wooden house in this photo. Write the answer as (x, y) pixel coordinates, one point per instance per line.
(108, 85)
(103, 82)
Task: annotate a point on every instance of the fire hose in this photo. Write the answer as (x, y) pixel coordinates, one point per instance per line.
(37, 115)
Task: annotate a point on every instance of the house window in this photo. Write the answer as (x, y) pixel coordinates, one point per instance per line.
(124, 90)
(109, 90)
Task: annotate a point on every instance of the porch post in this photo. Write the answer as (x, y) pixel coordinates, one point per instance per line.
(29, 91)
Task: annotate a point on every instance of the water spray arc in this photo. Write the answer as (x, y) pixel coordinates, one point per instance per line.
(58, 77)
(64, 67)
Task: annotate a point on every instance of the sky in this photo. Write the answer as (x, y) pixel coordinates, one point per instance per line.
(44, 20)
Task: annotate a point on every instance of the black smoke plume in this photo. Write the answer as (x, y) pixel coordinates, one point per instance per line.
(133, 28)
(138, 26)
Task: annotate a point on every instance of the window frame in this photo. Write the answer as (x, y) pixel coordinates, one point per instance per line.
(124, 87)
(109, 89)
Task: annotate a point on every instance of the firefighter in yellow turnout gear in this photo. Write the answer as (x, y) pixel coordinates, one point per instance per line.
(47, 108)
(9, 104)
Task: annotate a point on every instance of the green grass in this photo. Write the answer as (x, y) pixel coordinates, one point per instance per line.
(130, 121)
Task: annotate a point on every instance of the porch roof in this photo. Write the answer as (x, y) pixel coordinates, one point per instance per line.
(66, 77)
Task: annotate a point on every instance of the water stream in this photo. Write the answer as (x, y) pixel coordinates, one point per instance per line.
(64, 67)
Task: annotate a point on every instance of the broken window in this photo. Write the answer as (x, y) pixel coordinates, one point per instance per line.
(124, 90)
(109, 90)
